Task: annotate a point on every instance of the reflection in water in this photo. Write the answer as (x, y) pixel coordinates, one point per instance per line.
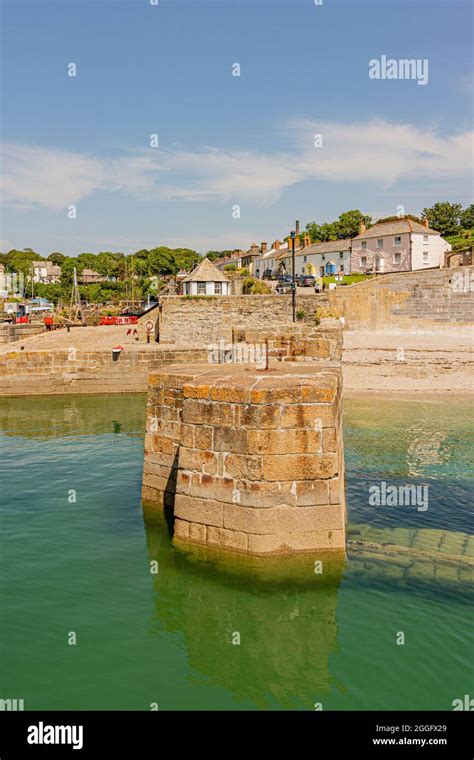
(424, 450)
(50, 417)
(286, 618)
(305, 638)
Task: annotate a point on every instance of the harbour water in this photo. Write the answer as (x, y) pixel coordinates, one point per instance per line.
(76, 559)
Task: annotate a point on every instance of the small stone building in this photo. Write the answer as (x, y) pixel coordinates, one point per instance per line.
(206, 280)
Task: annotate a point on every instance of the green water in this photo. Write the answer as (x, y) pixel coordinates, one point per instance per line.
(84, 567)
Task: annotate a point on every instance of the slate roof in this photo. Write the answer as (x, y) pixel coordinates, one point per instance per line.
(395, 228)
(206, 272)
(331, 246)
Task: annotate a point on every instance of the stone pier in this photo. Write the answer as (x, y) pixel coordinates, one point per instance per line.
(247, 460)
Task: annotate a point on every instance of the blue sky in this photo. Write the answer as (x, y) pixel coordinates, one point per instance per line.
(224, 140)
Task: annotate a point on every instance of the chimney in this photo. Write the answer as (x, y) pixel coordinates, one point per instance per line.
(276, 245)
(306, 240)
(254, 249)
(426, 222)
(362, 227)
(297, 228)
(263, 248)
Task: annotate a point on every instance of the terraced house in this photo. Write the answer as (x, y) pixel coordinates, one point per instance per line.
(399, 246)
(402, 245)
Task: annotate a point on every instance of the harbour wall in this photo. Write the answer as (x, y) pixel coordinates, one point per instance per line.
(73, 371)
(435, 299)
(11, 333)
(28, 372)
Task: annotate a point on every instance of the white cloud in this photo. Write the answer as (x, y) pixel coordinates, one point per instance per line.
(377, 152)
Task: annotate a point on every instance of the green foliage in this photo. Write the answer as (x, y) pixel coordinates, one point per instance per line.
(346, 226)
(467, 217)
(444, 217)
(230, 268)
(56, 257)
(198, 298)
(20, 261)
(397, 218)
(53, 293)
(300, 314)
(214, 255)
(462, 241)
(254, 287)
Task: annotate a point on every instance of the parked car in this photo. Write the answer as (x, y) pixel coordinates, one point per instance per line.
(285, 278)
(267, 275)
(306, 281)
(285, 286)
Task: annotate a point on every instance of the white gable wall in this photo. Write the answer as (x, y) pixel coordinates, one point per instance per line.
(427, 250)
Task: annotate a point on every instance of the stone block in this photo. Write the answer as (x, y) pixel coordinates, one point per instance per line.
(299, 466)
(197, 510)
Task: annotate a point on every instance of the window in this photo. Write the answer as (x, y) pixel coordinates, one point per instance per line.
(397, 240)
(363, 245)
(218, 287)
(304, 259)
(201, 289)
(323, 257)
(363, 261)
(425, 238)
(397, 258)
(341, 255)
(380, 243)
(341, 267)
(425, 257)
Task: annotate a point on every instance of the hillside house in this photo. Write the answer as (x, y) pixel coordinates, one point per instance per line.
(46, 272)
(398, 246)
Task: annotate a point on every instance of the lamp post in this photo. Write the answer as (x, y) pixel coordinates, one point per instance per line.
(293, 284)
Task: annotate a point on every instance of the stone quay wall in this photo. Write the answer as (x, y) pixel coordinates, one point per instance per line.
(248, 461)
(57, 372)
(10, 333)
(432, 299)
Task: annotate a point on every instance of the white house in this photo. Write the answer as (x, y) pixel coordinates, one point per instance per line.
(398, 246)
(46, 272)
(320, 259)
(206, 280)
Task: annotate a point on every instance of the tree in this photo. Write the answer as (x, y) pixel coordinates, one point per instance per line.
(162, 261)
(467, 217)
(88, 259)
(56, 257)
(20, 261)
(414, 218)
(213, 255)
(348, 224)
(444, 217)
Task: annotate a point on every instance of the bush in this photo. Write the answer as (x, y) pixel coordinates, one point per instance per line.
(300, 314)
(255, 287)
(230, 268)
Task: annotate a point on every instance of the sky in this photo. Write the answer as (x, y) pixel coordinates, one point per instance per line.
(237, 160)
